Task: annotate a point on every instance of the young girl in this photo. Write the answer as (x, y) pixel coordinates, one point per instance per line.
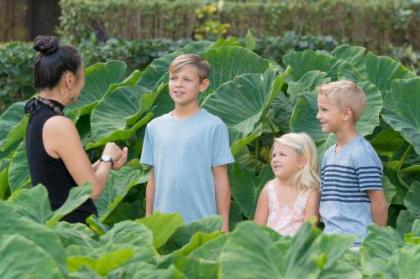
(293, 196)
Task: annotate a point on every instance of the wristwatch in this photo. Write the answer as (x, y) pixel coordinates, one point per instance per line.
(107, 158)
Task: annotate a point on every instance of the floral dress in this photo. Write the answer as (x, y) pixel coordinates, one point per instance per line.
(283, 218)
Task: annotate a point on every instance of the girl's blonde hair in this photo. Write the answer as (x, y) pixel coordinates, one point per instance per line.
(307, 178)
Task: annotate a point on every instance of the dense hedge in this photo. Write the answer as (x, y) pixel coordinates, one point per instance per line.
(374, 24)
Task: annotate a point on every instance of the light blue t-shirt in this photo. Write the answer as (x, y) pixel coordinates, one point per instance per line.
(183, 152)
(345, 178)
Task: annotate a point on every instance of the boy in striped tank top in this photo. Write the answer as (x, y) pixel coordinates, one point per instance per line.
(352, 195)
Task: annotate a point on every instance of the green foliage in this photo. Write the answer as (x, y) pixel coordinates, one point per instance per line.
(208, 26)
(16, 81)
(373, 24)
(258, 100)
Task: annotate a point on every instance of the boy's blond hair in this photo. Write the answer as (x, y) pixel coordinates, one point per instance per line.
(307, 178)
(185, 60)
(345, 94)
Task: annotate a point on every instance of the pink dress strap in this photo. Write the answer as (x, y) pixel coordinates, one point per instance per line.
(285, 219)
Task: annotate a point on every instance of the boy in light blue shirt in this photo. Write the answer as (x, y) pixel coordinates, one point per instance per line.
(188, 150)
(352, 195)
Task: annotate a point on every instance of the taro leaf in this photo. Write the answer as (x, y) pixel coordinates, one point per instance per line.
(308, 60)
(379, 245)
(116, 188)
(12, 125)
(18, 173)
(142, 270)
(162, 225)
(401, 110)
(246, 187)
(354, 55)
(21, 257)
(47, 239)
(75, 234)
(242, 102)
(229, 62)
(412, 198)
(184, 234)
(116, 117)
(306, 84)
(382, 70)
(77, 196)
(98, 78)
(32, 203)
(103, 264)
(268, 255)
(408, 260)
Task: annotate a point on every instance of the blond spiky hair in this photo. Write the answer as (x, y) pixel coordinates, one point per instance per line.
(345, 94)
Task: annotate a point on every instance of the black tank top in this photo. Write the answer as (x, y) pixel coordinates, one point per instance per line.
(49, 171)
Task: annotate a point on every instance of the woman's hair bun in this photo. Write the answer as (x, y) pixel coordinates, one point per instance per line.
(46, 44)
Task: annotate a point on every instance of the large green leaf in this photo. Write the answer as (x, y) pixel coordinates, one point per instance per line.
(4, 185)
(98, 78)
(408, 262)
(265, 254)
(12, 125)
(308, 60)
(229, 62)
(75, 234)
(378, 246)
(143, 270)
(47, 239)
(116, 188)
(22, 258)
(118, 115)
(77, 196)
(103, 264)
(32, 203)
(246, 187)
(163, 226)
(18, 175)
(128, 234)
(401, 110)
(412, 198)
(307, 84)
(354, 55)
(128, 241)
(184, 234)
(382, 70)
(242, 102)
(197, 269)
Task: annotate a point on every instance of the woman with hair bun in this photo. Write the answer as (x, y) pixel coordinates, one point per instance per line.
(55, 152)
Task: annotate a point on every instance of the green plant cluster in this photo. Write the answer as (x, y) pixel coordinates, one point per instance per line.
(257, 99)
(208, 25)
(374, 24)
(17, 57)
(34, 244)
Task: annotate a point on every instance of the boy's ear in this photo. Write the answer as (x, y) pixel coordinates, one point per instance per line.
(348, 114)
(204, 84)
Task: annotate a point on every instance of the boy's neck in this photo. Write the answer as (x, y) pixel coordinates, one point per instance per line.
(185, 111)
(345, 135)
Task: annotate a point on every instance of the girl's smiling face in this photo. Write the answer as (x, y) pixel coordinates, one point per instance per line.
(285, 161)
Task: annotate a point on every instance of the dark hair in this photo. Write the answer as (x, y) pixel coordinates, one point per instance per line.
(53, 61)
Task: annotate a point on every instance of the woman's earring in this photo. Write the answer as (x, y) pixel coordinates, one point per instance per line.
(71, 98)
